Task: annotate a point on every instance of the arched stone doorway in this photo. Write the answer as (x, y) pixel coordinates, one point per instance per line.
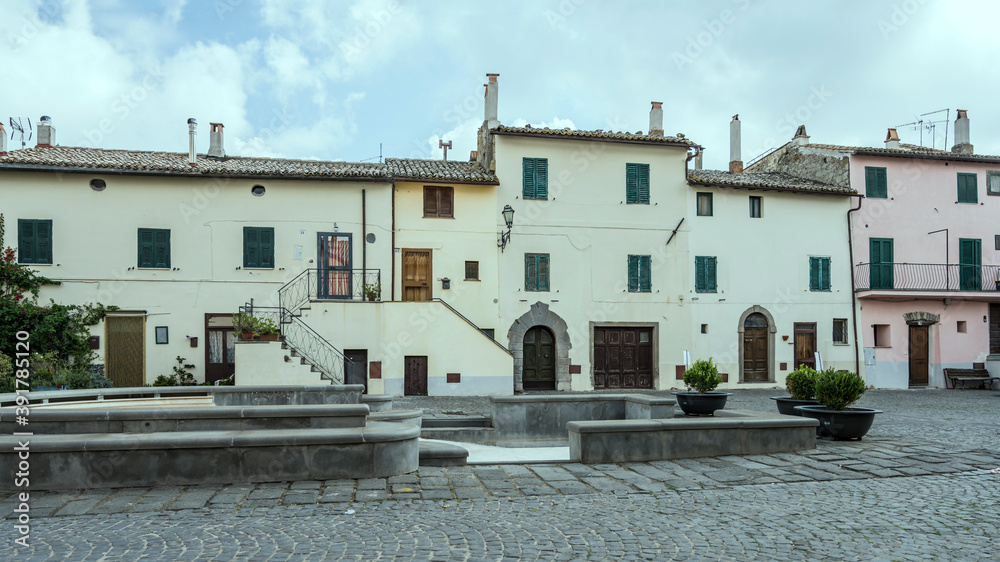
(539, 366)
(540, 316)
(756, 332)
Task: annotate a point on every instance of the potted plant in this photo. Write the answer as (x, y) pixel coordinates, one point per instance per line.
(703, 377)
(267, 329)
(801, 386)
(372, 291)
(245, 324)
(835, 392)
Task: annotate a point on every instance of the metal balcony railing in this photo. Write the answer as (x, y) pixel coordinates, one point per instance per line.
(926, 277)
(331, 284)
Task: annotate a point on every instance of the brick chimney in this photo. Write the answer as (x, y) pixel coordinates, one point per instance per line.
(800, 138)
(891, 139)
(656, 119)
(45, 133)
(3, 143)
(491, 101)
(735, 160)
(215, 148)
(192, 130)
(962, 144)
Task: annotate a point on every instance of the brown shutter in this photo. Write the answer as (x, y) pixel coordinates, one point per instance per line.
(430, 202)
(446, 200)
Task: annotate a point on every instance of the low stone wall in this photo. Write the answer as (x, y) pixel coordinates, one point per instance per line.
(182, 458)
(222, 395)
(730, 432)
(540, 420)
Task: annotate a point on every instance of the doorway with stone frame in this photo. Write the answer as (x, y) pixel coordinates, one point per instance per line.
(540, 315)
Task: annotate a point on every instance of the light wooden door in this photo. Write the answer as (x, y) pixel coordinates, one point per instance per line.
(417, 275)
(124, 350)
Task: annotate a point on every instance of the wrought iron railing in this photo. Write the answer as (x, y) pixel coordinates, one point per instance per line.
(305, 341)
(331, 284)
(926, 277)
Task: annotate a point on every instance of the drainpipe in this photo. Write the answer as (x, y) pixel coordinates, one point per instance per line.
(854, 298)
(364, 242)
(392, 251)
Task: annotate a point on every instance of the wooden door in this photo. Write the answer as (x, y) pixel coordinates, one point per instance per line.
(755, 359)
(334, 266)
(919, 352)
(220, 347)
(356, 367)
(623, 358)
(805, 345)
(417, 275)
(415, 375)
(539, 364)
(124, 350)
(881, 266)
(994, 327)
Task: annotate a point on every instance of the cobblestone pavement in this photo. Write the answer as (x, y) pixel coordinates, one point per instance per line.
(922, 485)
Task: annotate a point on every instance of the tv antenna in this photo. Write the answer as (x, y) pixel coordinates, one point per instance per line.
(19, 128)
(374, 157)
(930, 126)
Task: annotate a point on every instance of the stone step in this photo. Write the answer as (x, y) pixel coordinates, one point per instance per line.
(442, 454)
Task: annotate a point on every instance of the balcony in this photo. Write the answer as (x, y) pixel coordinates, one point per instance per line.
(921, 277)
(337, 284)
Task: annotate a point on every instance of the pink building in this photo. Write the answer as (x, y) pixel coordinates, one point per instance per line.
(925, 251)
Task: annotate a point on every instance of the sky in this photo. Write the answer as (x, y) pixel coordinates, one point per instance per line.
(335, 79)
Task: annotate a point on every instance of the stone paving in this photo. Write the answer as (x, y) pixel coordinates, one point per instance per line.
(924, 484)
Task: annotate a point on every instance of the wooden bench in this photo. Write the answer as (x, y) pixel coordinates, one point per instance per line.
(981, 376)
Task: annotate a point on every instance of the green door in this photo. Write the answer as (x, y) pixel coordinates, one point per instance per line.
(880, 253)
(970, 261)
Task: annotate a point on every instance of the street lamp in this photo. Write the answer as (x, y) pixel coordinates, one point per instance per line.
(508, 219)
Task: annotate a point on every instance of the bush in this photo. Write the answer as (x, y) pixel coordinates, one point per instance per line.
(801, 383)
(7, 383)
(838, 390)
(180, 377)
(703, 376)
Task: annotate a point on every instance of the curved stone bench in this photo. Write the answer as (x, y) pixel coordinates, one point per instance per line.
(442, 454)
(206, 418)
(377, 402)
(77, 461)
(222, 395)
(412, 417)
(730, 432)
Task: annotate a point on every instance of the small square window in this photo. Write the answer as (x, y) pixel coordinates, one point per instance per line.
(756, 206)
(992, 182)
(704, 204)
(472, 271)
(840, 331)
(882, 335)
(162, 335)
(704, 328)
(644, 337)
(598, 336)
(996, 241)
(962, 327)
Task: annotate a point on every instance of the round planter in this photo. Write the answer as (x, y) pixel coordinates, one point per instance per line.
(840, 425)
(787, 404)
(696, 404)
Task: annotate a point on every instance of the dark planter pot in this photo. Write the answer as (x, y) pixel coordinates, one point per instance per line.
(695, 404)
(787, 404)
(840, 425)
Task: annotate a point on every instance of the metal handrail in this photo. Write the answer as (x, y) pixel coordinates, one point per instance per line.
(761, 156)
(305, 341)
(900, 276)
(471, 323)
(305, 286)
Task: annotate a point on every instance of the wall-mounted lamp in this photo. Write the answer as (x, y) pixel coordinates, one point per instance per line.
(508, 219)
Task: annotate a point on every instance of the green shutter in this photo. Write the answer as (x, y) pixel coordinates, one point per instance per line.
(881, 266)
(145, 247)
(970, 264)
(43, 241)
(710, 273)
(705, 271)
(250, 243)
(528, 170)
(876, 186)
(530, 272)
(162, 248)
(644, 183)
(543, 272)
(26, 244)
(266, 237)
(814, 274)
(541, 178)
(825, 277)
(645, 274)
(633, 273)
(631, 185)
(967, 188)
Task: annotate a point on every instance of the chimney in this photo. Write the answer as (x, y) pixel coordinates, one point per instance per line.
(192, 129)
(962, 144)
(656, 119)
(891, 139)
(46, 133)
(735, 161)
(215, 148)
(800, 138)
(491, 101)
(697, 158)
(3, 144)
(473, 155)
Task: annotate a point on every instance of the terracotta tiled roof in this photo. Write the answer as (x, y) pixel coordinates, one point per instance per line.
(176, 163)
(764, 180)
(598, 134)
(439, 170)
(906, 151)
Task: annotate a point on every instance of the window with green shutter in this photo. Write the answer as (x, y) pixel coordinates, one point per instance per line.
(876, 186)
(536, 272)
(34, 241)
(637, 183)
(639, 275)
(258, 247)
(536, 178)
(154, 248)
(967, 188)
(819, 274)
(705, 274)
(970, 261)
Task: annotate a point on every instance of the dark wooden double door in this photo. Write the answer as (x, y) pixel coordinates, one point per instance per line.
(623, 358)
(755, 348)
(538, 370)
